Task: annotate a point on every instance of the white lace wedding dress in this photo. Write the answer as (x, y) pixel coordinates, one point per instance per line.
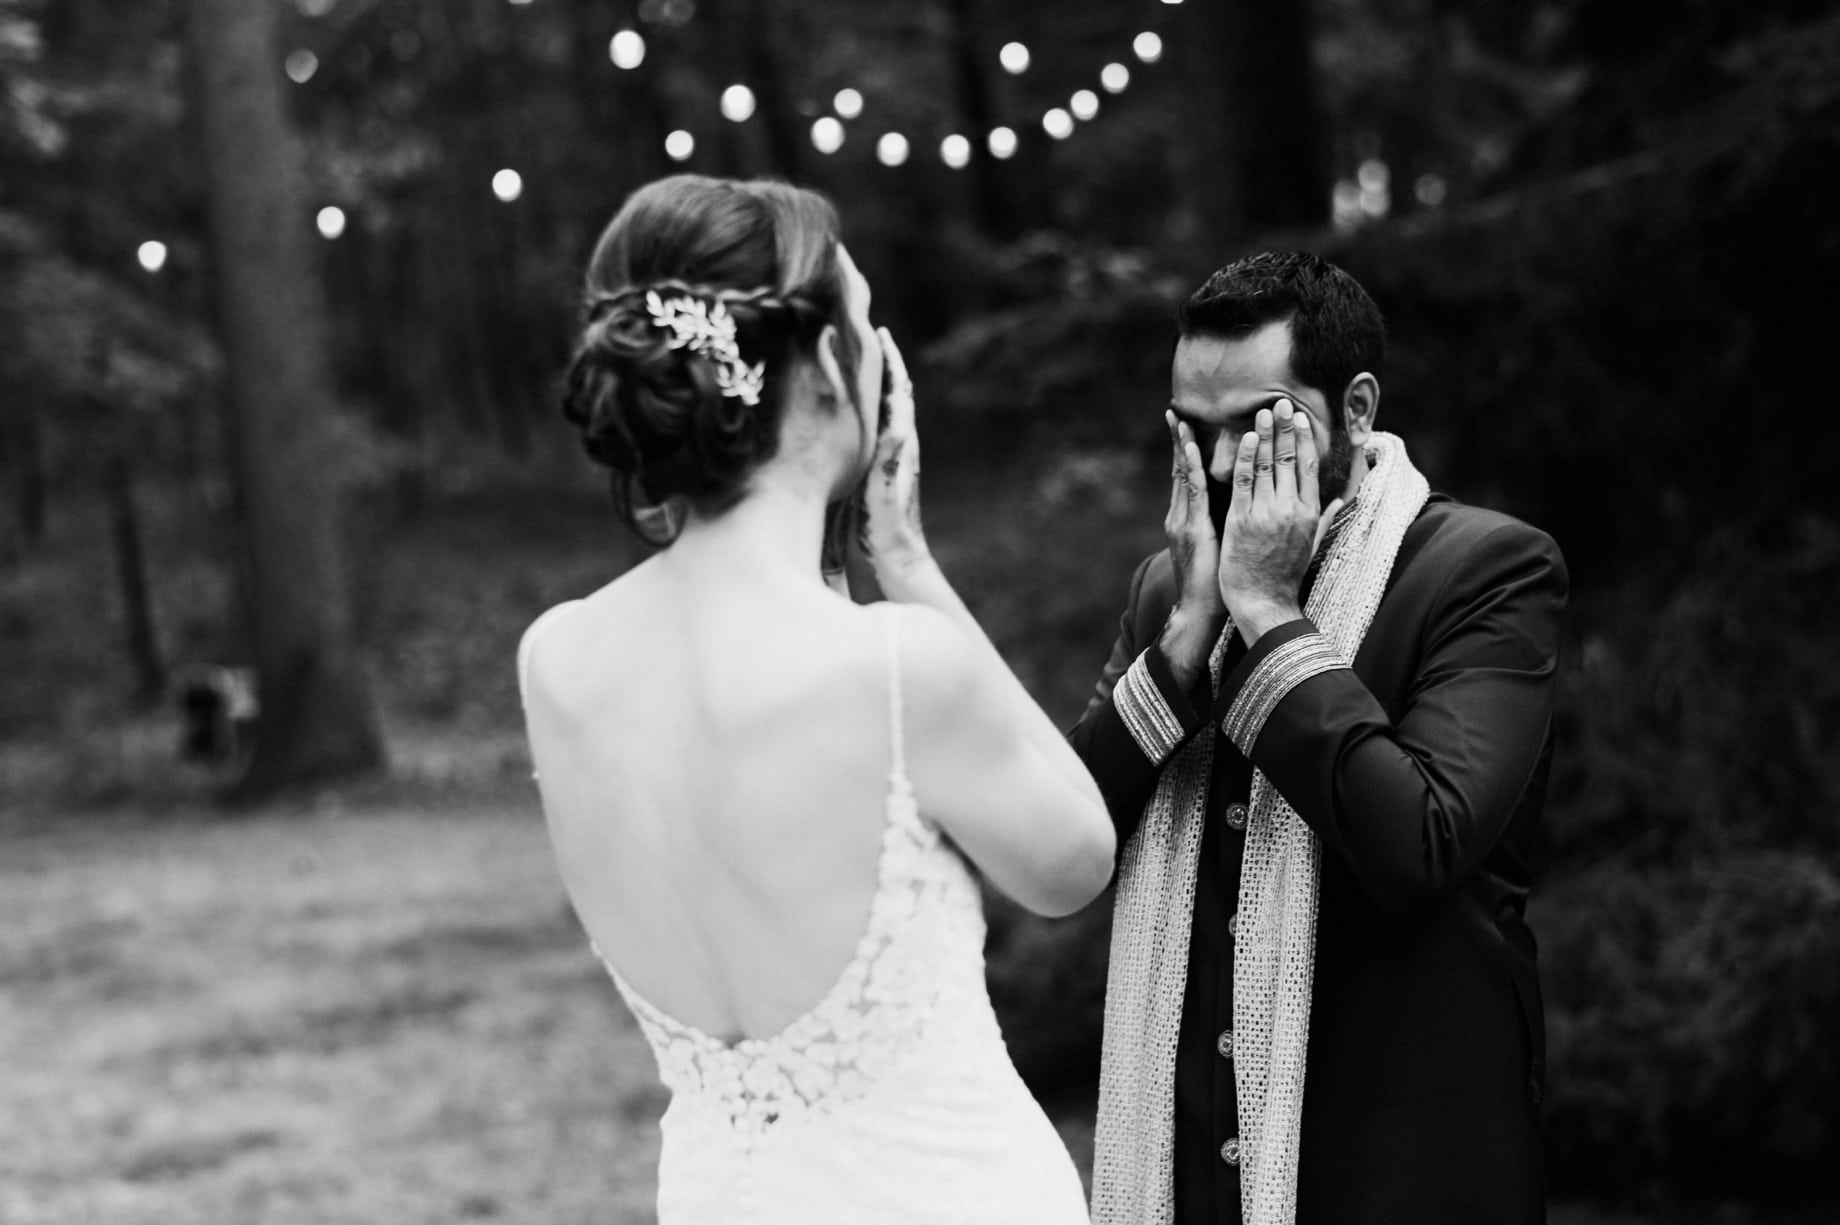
(893, 1100)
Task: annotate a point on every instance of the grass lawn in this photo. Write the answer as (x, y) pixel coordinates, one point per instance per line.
(314, 1016)
(328, 1014)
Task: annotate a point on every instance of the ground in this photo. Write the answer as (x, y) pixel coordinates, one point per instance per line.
(366, 1009)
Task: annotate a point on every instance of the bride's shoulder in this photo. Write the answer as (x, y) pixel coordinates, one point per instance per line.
(941, 670)
(570, 619)
(544, 625)
(928, 636)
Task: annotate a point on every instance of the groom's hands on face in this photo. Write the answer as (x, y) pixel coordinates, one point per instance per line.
(1273, 520)
(1195, 622)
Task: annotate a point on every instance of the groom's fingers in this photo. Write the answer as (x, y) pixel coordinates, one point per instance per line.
(1194, 476)
(1309, 460)
(1245, 461)
(1178, 472)
(1284, 451)
(1263, 487)
(1323, 524)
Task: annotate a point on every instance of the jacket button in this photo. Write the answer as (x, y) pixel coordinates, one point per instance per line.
(1229, 1152)
(1236, 816)
(1224, 1044)
(1233, 924)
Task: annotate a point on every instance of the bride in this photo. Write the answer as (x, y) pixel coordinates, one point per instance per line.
(765, 800)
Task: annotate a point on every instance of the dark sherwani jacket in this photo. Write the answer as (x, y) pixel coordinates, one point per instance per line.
(1423, 770)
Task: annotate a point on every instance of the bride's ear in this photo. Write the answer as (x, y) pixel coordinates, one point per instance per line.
(830, 372)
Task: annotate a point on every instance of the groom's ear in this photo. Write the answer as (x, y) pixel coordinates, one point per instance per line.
(830, 370)
(1360, 405)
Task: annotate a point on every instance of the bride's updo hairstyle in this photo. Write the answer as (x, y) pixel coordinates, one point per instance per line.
(691, 422)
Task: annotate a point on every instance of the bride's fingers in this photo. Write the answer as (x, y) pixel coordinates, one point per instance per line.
(901, 394)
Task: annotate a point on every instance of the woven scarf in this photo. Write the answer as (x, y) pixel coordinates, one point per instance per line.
(1275, 946)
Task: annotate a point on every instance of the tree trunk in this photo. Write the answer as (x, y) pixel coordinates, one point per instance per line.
(1256, 151)
(996, 210)
(25, 454)
(131, 571)
(316, 721)
(620, 109)
(782, 129)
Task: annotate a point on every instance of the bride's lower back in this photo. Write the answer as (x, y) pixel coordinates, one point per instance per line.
(714, 780)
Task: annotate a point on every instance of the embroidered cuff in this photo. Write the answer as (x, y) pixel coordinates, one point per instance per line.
(1147, 714)
(1287, 667)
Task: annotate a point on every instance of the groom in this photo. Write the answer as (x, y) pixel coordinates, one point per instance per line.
(1324, 740)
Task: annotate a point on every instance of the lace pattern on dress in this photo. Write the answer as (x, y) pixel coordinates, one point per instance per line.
(876, 1012)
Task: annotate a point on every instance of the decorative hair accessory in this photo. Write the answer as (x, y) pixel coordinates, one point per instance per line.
(708, 329)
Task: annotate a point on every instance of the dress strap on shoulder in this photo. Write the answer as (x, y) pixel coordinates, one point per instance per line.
(530, 641)
(897, 774)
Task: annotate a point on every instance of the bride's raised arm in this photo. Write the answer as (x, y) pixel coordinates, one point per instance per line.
(988, 763)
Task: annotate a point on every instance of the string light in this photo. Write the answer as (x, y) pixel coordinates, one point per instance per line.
(738, 103)
(1430, 190)
(1345, 205)
(891, 149)
(520, 3)
(627, 50)
(315, 8)
(331, 221)
(507, 185)
(152, 255)
(301, 65)
(667, 12)
(827, 135)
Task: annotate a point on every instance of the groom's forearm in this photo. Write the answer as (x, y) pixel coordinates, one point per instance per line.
(1140, 712)
(1414, 804)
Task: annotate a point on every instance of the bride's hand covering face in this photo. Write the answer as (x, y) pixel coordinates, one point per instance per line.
(887, 479)
(896, 542)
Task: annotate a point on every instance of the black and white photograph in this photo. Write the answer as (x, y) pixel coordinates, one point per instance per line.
(796, 612)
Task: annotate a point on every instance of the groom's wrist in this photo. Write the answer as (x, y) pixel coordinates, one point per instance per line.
(1186, 642)
(1253, 619)
(1284, 657)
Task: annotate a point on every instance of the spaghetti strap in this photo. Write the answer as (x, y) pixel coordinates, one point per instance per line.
(897, 774)
(530, 641)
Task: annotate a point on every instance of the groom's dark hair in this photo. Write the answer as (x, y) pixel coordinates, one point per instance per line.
(1336, 330)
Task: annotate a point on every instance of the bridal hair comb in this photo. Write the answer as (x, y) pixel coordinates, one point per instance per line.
(708, 329)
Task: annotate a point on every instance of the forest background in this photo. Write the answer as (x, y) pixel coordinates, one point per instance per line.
(279, 338)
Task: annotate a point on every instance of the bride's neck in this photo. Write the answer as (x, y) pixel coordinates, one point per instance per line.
(776, 530)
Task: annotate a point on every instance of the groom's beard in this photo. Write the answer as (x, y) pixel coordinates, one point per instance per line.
(1331, 479)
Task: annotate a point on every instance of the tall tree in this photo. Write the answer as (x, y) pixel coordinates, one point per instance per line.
(996, 209)
(1257, 152)
(317, 719)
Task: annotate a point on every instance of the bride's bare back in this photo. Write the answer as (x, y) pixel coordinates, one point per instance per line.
(714, 775)
(712, 734)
